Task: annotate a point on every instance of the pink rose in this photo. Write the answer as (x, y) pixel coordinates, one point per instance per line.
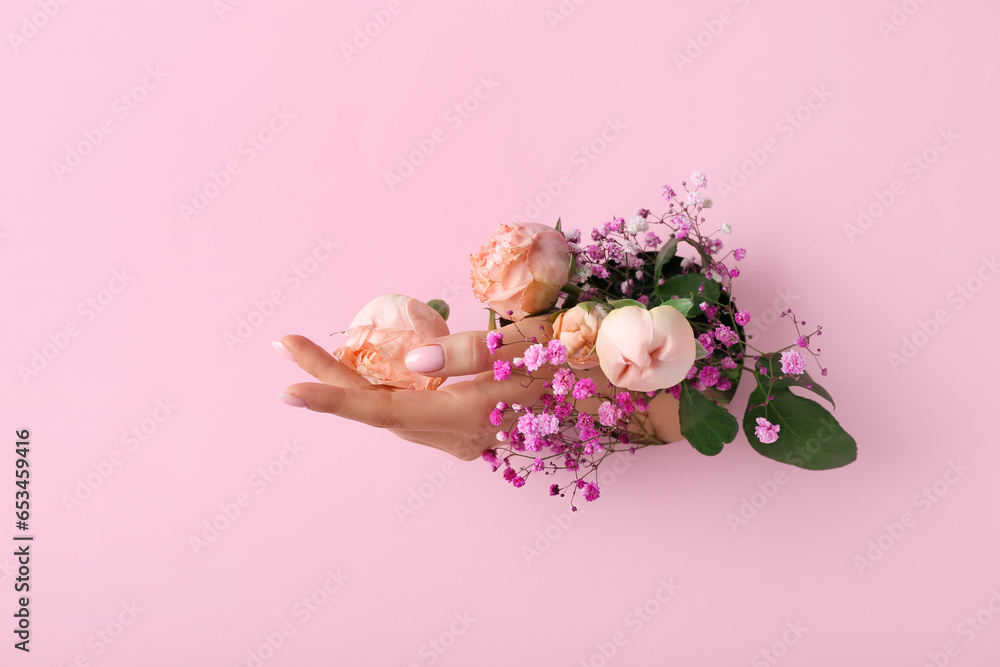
(381, 336)
(645, 350)
(521, 268)
(577, 329)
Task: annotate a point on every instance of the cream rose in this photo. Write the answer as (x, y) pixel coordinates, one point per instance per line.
(521, 269)
(577, 329)
(645, 350)
(383, 333)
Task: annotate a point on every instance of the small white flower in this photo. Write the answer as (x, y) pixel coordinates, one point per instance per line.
(699, 179)
(583, 271)
(636, 225)
(501, 436)
(687, 262)
(726, 228)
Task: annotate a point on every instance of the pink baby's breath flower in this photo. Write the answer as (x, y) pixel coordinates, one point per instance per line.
(554, 490)
(556, 352)
(501, 370)
(592, 492)
(726, 336)
(699, 199)
(496, 417)
(494, 340)
(724, 384)
(535, 356)
(709, 375)
(743, 318)
(728, 363)
(802, 341)
(675, 391)
(706, 342)
(585, 426)
(792, 362)
(766, 431)
(490, 456)
(607, 414)
(739, 254)
(584, 389)
(562, 382)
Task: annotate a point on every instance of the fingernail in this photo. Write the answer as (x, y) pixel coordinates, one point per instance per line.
(293, 401)
(426, 359)
(283, 350)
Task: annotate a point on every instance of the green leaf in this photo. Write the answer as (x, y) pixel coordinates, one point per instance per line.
(441, 307)
(773, 364)
(704, 424)
(588, 306)
(809, 438)
(559, 225)
(701, 352)
(623, 303)
(683, 304)
(666, 253)
(687, 284)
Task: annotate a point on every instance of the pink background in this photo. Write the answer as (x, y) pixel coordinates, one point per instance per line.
(533, 586)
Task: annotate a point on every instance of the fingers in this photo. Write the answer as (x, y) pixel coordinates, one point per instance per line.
(316, 361)
(467, 353)
(464, 353)
(414, 410)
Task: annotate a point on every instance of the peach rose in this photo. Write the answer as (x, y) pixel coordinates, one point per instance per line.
(646, 350)
(577, 329)
(381, 336)
(521, 268)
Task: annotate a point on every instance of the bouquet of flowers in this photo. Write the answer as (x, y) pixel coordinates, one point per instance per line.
(655, 321)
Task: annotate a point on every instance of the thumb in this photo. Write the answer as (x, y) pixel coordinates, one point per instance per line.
(464, 353)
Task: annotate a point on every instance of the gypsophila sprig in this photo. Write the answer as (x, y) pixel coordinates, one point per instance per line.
(656, 320)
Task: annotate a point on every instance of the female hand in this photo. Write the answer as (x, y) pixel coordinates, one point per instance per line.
(453, 418)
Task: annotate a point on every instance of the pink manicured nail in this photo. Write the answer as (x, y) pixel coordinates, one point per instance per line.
(293, 401)
(426, 359)
(281, 349)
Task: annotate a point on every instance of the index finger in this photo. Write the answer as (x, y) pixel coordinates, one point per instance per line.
(412, 410)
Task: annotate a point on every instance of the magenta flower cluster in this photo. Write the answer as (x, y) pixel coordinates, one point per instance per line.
(563, 433)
